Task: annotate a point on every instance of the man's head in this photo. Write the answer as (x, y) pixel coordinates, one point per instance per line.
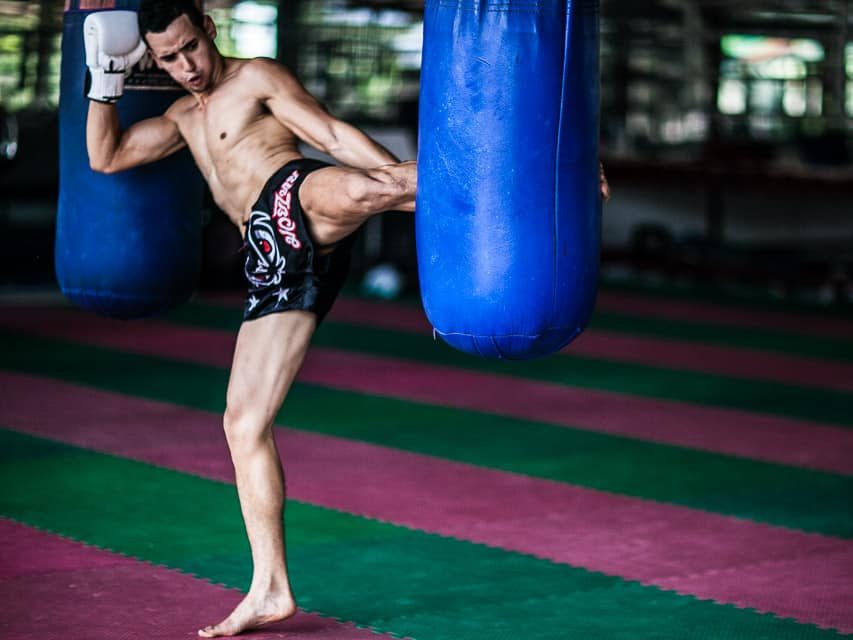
(180, 39)
(156, 15)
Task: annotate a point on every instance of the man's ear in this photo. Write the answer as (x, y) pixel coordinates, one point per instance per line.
(209, 27)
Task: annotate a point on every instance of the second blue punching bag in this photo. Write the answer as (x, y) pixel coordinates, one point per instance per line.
(508, 218)
(128, 245)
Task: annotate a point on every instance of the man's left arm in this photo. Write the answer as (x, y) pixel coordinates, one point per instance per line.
(300, 112)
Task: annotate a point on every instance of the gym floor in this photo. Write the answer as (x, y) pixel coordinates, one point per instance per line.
(684, 470)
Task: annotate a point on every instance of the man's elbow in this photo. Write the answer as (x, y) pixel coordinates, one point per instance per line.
(99, 166)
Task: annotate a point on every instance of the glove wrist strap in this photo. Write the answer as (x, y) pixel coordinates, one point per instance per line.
(106, 86)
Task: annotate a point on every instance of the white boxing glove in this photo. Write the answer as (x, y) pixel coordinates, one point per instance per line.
(113, 46)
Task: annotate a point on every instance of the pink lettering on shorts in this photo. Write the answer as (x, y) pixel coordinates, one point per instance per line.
(281, 211)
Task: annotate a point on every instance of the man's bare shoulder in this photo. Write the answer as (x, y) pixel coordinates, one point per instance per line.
(180, 109)
(266, 66)
(266, 73)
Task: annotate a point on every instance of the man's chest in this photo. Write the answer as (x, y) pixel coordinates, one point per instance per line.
(212, 131)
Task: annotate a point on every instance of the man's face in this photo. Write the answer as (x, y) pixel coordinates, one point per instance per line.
(186, 53)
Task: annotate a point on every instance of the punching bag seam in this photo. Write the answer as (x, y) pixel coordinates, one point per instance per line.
(505, 335)
(475, 340)
(106, 293)
(556, 211)
(495, 346)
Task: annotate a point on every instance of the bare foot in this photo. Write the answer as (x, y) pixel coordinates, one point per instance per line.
(252, 612)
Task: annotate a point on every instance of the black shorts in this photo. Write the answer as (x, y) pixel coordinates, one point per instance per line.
(282, 269)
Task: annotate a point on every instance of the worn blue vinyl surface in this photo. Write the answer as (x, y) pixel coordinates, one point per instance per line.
(508, 213)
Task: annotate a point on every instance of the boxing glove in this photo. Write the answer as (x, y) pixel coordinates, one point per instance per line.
(113, 46)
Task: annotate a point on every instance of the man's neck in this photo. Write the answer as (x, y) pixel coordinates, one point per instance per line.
(215, 78)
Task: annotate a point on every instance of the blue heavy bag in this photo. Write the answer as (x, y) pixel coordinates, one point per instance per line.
(128, 245)
(508, 218)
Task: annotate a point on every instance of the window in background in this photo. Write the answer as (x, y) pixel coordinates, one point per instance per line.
(21, 44)
(770, 81)
(848, 64)
(731, 97)
(247, 30)
(649, 96)
(363, 63)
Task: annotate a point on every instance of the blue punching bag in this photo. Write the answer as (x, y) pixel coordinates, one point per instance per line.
(128, 245)
(508, 218)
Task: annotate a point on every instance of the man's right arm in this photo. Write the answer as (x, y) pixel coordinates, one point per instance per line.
(111, 149)
(112, 44)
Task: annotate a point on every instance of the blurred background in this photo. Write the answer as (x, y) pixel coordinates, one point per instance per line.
(725, 128)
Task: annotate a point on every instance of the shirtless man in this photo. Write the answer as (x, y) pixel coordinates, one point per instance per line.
(242, 121)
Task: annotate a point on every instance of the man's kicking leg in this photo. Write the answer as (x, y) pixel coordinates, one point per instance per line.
(268, 355)
(338, 200)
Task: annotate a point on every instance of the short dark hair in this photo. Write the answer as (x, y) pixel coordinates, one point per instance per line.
(155, 16)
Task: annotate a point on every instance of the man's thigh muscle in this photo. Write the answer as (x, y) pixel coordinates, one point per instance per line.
(268, 355)
(337, 200)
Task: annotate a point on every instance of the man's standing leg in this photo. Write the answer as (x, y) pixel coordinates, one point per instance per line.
(268, 355)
